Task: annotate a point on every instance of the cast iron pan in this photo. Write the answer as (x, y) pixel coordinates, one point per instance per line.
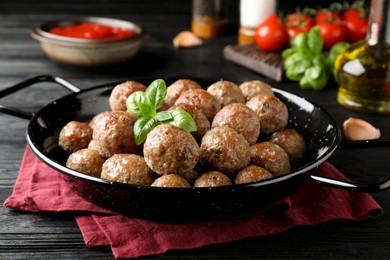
(184, 204)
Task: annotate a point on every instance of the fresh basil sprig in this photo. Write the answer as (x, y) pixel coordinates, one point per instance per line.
(305, 61)
(145, 106)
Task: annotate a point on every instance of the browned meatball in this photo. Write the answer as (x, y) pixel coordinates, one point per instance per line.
(190, 175)
(212, 179)
(255, 87)
(86, 161)
(224, 149)
(127, 168)
(121, 92)
(252, 173)
(75, 136)
(171, 181)
(169, 149)
(241, 118)
(177, 88)
(226, 92)
(201, 121)
(292, 142)
(202, 99)
(113, 133)
(272, 113)
(271, 157)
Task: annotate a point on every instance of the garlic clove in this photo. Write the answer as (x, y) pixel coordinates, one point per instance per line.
(186, 39)
(358, 129)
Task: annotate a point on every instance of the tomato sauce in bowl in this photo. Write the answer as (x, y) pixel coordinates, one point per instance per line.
(93, 31)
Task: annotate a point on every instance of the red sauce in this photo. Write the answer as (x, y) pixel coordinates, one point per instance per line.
(93, 31)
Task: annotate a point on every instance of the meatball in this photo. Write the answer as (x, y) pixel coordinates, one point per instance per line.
(190, 175)
(202, 99)
(201, 121)
(75, 136)
(241, 118)
(292, 142)
(272, 113)
(252, 173)
(121, 92)
(86, 161)
(177, 88)
(171, 181)
(224, 149)
(127, 168)
(169, 149)
(113, 133)
(255, 87)
(271, 157)
(212, 179)
(226, 92)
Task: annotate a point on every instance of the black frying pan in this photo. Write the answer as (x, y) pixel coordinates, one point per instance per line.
(172, 204)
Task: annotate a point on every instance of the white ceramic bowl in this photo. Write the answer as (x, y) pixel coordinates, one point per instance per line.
(85, 52)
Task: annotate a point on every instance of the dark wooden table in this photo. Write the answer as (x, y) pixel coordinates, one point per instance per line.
(38, 236)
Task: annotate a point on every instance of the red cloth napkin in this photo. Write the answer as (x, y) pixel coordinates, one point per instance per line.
(39, 188)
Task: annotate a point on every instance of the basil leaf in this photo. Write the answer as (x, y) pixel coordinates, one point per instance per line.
(300, 41)
(288, 52)
(315, 78)
(315, 41)
(163, 116)
(142, 127)
(133, 102)
(296, 57)
(156, 92)
(297, 70)
(147, 109)
(183, 120)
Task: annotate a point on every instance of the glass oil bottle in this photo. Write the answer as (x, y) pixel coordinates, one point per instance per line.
(363, 70)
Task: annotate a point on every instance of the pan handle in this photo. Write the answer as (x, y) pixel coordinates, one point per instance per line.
(382, 184)
(27, 83)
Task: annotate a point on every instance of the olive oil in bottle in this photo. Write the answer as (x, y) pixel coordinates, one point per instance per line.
(362, 71)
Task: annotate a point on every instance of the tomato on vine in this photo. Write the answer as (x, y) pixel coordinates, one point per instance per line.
(356, 22)
(271, 35)
(297, 23)
(326, 15)
(332, 32)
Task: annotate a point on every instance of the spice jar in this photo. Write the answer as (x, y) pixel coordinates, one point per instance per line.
(252, 13)
(362, 71)
(209, 18)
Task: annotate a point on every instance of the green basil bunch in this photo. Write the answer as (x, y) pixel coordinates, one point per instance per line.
(304, 61)
(145, 106)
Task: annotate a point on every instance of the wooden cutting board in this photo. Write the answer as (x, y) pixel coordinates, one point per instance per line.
(269, 64)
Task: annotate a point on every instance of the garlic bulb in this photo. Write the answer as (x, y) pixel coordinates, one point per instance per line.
(358, 129)
(186, 39)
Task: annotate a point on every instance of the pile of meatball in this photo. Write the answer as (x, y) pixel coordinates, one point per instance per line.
(241, 137)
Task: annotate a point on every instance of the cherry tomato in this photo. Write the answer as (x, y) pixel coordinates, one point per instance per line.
(357, 24)
(326, 15)
(297, 23)
(271, 36)
(332, 32)
(293, 31)
(300, 20)
(271, 19)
